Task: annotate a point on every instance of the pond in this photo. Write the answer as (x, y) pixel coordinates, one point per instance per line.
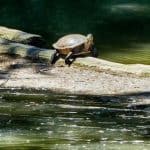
(42, 120)
(120, 28)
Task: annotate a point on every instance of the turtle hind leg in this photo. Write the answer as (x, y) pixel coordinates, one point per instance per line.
(54, 58)
(69, 59)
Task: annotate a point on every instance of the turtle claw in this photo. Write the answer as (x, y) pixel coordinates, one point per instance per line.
(68, 62)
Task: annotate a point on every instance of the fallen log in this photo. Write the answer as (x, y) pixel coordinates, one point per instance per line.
(88, 62)
(12, 48)
(21, 37)
(88, 76)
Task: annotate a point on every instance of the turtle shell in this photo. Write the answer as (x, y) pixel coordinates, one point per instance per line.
(70, 41)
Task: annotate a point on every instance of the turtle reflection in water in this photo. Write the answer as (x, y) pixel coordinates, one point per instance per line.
(73, 45)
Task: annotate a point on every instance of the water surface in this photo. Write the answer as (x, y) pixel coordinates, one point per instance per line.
(49, 121)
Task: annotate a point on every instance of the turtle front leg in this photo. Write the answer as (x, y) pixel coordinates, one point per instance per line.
(69, 59)
(54, 58)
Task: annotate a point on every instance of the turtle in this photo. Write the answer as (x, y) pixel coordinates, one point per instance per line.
(73, 45)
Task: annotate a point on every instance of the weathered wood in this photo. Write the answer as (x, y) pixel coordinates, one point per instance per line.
(23, 50)
(21, 37)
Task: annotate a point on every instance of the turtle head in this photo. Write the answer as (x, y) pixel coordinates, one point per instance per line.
(90, 39)
(89, 42)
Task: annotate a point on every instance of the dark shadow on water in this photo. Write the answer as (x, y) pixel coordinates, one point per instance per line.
(121, 99)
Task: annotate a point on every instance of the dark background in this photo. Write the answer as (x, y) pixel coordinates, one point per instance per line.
(119, 27)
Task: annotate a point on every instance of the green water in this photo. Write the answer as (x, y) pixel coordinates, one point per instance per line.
(120, 28)
(41, 121)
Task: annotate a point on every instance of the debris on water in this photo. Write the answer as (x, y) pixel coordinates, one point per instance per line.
(27, 141)
(104, 139)
(38, 128)
(137, 141)
(101, 131)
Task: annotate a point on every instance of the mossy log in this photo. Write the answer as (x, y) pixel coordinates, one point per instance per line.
(21, 37)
